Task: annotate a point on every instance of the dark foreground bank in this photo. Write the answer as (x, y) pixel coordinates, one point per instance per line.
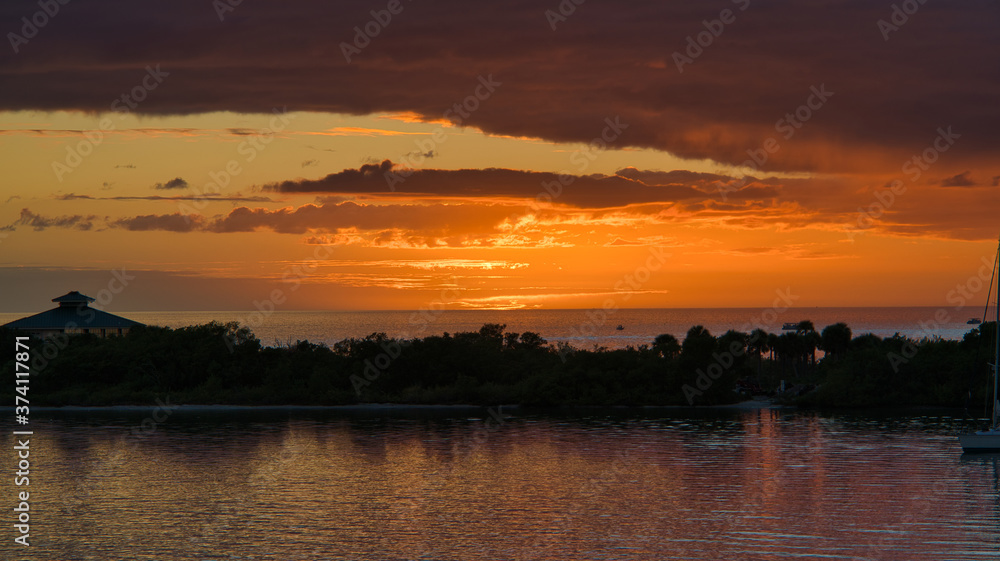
(226, 364)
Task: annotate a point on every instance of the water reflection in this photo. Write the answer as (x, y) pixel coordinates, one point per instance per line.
(306, 484)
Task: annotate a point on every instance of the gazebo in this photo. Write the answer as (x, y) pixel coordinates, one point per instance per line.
(74, 315)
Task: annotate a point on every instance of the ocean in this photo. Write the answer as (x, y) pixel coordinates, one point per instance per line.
(255, 484)
(583, 329)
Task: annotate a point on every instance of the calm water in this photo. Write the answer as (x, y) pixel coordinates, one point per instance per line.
(672, 484)
(581, 328)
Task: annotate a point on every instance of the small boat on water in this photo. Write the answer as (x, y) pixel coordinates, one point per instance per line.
(790, 326)
(620, 327)
(988, 440)
(974, 321)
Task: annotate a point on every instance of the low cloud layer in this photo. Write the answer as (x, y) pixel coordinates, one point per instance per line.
(504, 207)
(627, 187)
(39, 222)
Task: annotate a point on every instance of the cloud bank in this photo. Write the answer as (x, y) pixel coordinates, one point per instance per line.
(751, 80)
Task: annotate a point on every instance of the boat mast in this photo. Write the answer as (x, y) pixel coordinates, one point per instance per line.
(996, 343)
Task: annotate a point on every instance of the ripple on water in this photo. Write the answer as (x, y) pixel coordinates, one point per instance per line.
(314, 485)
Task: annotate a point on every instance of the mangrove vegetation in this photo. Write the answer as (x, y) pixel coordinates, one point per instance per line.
(226, 364)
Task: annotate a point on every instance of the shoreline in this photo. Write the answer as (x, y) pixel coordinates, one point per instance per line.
(394, 407)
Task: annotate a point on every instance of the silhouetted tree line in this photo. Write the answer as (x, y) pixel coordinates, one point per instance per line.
(226, 363)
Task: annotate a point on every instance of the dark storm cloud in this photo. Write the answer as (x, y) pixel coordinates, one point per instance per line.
(628, 186)
(606, 60)
(436, 217)
(176, 222)
(208, 197)
(168, 222)
(961, 180)
(39, 222)
(175, 183)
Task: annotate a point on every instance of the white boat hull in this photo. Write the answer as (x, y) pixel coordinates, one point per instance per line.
(983, 441)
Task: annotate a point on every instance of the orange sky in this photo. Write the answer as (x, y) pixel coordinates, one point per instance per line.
(491, 161)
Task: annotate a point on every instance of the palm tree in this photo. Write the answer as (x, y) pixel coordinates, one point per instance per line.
(772, 344)
(792, 346)
(697, 349)
(667, 346)
(810, 340)
(734, 342)
(757, 345)
(836, 339)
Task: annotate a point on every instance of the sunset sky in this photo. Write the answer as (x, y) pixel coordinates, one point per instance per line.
(497, 155)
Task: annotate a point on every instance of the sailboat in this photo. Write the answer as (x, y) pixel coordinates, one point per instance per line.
(988, 440)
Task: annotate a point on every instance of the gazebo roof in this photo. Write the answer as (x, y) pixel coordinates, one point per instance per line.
(65, 317)
(73, 313)
(73, 297)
